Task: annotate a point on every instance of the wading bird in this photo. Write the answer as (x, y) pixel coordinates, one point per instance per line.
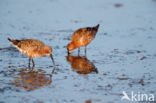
(82, 37)
(32, 48)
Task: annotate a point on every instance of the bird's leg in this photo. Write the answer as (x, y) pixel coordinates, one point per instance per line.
(85, 50)
(29, 62)
(78, 51)
(33, 63)
(51, 56)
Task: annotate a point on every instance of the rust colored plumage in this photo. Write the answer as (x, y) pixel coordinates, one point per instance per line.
(32, 48)
(81, 64)
(82, 37)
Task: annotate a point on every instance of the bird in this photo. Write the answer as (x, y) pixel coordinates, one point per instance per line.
(81, 64)
(82, 37)
(33, 49)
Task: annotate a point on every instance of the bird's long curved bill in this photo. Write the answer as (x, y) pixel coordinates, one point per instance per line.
(51, 56)
(68, 52)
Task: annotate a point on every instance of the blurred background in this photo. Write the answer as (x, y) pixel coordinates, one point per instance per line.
(121, 58)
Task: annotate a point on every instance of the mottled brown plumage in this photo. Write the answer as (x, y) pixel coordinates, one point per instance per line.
(32, 48)
(81, 64)
(82, 37)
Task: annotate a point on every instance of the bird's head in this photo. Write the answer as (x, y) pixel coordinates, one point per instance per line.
(48, 50)
(70, 47)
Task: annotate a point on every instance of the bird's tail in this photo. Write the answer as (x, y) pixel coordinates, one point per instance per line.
(95, 70)
(9, 39)
(96, 27)
(15, 42)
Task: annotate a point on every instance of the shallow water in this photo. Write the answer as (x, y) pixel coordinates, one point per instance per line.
(121, 58)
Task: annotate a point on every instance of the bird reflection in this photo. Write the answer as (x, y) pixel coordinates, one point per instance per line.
(31, 80)
(81, 64)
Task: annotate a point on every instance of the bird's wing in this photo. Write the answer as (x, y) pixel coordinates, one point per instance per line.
(30, 44)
